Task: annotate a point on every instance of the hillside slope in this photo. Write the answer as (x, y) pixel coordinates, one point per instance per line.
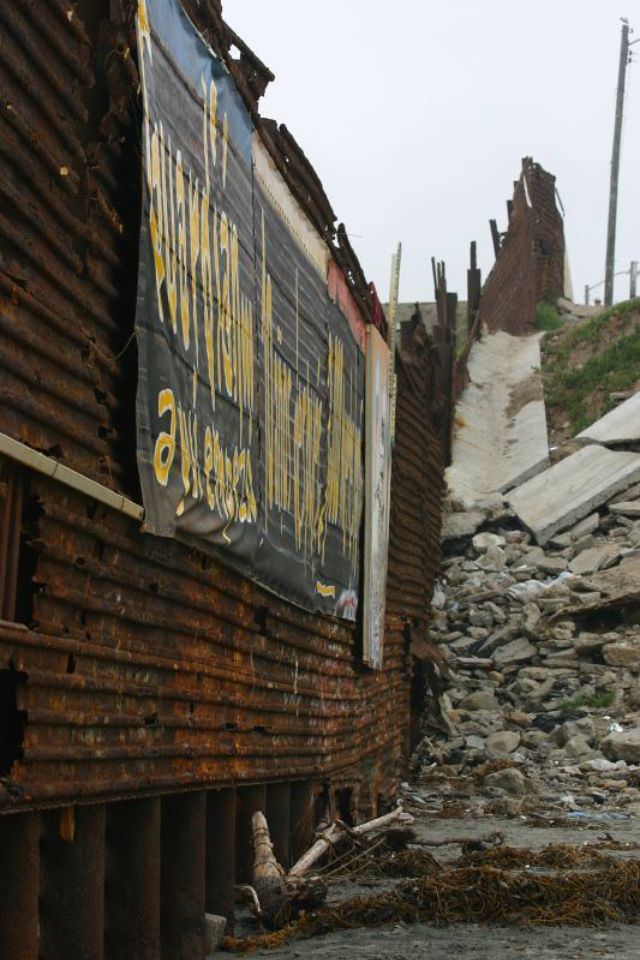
(585, 364)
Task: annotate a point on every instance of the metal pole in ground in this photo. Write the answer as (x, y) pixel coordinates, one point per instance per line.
(615, 167)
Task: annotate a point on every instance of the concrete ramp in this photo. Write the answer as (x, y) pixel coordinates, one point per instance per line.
(621, 425)
(572, 488)
(500, 431)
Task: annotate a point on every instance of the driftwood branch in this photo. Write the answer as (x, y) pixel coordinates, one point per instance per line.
(338, 831)
(276, 896)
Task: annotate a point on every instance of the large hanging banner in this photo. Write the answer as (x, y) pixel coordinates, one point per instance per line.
(251, 376)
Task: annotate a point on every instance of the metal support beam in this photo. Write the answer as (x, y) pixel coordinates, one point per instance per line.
(19, 886)
(220, 856)
(182, 876)
(133, 880)
(301, 817)
(72, 884)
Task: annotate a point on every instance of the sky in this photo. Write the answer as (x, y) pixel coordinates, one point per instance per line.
(416, 114)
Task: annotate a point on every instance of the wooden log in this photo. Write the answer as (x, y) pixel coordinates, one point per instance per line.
(268, 875)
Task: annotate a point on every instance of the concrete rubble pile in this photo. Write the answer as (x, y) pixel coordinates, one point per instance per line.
(538, 708)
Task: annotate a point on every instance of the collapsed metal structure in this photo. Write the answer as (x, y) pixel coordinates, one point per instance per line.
(150, 697)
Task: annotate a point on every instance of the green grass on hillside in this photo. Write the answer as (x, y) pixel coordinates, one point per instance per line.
(547, 317)
(582, 391)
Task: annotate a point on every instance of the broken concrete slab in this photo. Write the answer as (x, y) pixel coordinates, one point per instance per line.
(580, 310)
(620, 581)
(500, 432)
(214, 927)
(572, 488)
(628, 508)
(595, 558)
(620, 425)
(465, 524)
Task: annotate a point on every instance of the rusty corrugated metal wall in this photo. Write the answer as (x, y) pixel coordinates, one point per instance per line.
(140, 665)
(529, 265)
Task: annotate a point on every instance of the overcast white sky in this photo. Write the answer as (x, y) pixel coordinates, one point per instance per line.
(416, 115)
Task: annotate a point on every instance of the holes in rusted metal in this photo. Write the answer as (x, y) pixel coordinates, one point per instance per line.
(98, 550)
(55, 451)
(12, 720)
(151, 719)
(71, 663)
(230, 725)
(154, 586)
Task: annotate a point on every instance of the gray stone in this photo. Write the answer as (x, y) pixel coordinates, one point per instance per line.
(514, 652)
(497, 639)
(498, 614)
(463, 645)
(577, 746)
(534, 739)
(482, 541)
(480, 700)
(623, 746)
(510, 780)
(596, 558)
(561, 541)
(584, 527)
(630, 508)
(536, 694)
(552, 565)
(214, 929)
(586, 644)
(459, 525)
(622, 654)
(494, 558)
(530, 619)
(584, 727)
(480, 617)
(503, 742)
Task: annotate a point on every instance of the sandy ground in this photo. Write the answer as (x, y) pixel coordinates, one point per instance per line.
(470, 941)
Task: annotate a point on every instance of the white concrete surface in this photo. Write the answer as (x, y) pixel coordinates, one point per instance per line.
(495, 447)
(620, 425)
(572, 488)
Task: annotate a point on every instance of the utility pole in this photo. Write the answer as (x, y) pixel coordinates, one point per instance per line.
(615, 167)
